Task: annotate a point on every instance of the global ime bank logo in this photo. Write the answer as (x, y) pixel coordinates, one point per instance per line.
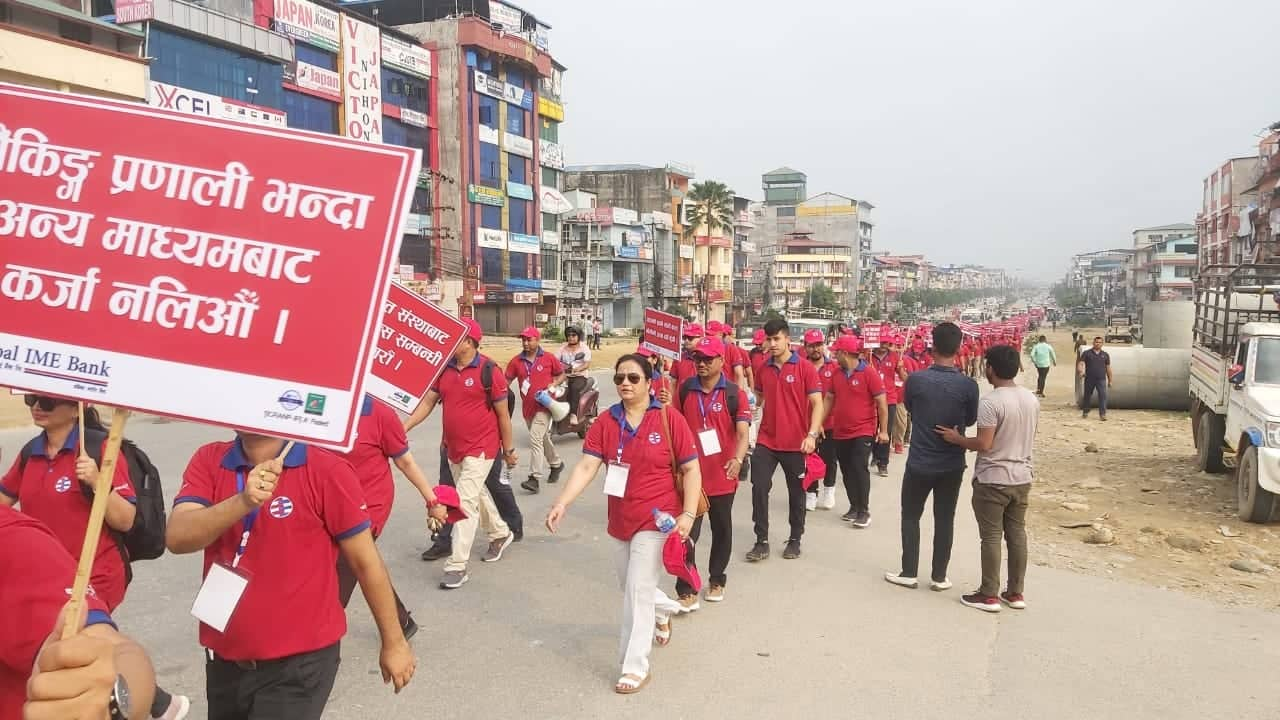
(291, 400)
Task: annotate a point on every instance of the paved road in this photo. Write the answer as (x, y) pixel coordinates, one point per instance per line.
(535, 636)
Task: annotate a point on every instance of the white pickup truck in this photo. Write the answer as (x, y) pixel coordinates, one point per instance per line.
(1235, 383)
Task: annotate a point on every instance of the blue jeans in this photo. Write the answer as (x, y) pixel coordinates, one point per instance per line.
(1100, 384)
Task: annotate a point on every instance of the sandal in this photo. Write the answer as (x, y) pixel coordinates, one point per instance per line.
(630, 684)
(662, 635)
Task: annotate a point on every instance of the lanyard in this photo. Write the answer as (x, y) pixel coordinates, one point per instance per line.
(248, 522)
(623, 437)
(702, 409)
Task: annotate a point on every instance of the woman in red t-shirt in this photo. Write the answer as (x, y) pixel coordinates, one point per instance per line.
(632, 440)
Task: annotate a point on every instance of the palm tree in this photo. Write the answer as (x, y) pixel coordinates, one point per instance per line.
(711, 211)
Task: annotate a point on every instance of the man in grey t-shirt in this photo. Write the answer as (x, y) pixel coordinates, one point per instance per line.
(1007, 418)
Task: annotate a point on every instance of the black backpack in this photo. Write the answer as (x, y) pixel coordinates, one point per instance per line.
(730, 395)
(145, 540)
(486, 382)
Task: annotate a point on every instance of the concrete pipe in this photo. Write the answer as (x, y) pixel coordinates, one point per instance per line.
(1168, 324)
(1145, 379)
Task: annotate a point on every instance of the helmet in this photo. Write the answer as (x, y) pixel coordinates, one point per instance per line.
(573, 330)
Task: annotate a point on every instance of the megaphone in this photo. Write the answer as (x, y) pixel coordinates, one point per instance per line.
(559, 409)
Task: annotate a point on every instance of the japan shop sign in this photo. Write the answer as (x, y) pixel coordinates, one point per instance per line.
(414, 343)
(194, 267)
(307, 22)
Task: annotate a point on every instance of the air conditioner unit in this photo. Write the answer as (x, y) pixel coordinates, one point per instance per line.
(540, 317)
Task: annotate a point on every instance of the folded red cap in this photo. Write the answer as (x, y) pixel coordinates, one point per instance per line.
(813, 336)
(814, 470)
(531, 332)
(448, 497)
(643, 351)
(674, 559)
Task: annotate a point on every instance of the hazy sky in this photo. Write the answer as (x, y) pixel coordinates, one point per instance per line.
(1009, 133)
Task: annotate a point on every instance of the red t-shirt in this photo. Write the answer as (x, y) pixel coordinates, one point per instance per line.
(757, 357)
(853, 407)
(379, 437)
(49, 491)
(539, 371)
(786, 390)
(658, 384)
(710, 410)
(470, 425)
(683, 369)
(37, 574)
(887, 366)
(290, 605)
(828, 369)
(649, 481)
(734, 357)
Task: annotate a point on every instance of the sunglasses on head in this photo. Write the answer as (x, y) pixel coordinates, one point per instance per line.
(633, 378)
(45, 403)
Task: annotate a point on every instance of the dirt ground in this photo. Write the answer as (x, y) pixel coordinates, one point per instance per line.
(1163, 523)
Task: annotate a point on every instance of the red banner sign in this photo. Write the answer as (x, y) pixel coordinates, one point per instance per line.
(662, 333)
(194, 267)
(871, 335)
(416, 340)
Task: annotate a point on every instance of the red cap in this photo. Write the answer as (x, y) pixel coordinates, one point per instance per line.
(643, 351)
(812, 337)
(847, 343)
(710, 346)
(448, 497)
(715, 327)
(473, 329)
(692, 330)
(531, 332)
(676, 562)
(757, 337)
(814, 469)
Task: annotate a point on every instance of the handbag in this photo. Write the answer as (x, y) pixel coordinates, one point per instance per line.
(703, 503)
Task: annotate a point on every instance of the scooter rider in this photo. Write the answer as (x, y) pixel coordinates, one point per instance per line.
(575, 356)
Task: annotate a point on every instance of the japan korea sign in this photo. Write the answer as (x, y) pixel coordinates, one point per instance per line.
(194, 267)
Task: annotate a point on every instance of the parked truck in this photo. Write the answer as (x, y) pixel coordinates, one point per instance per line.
(1120, 328)
(1235, 382)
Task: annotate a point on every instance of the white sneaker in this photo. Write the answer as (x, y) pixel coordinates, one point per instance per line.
(900, 580)
(936, 586)
(811, 501)
(827, 498)
(179, 706)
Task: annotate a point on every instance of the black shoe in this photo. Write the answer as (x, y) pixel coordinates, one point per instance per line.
(1084, 414)
(792, 551)
(862, 520)
(519, 534)
(759, 552)
(849, 516)
(531, 484)
(554, 475)
(437, 552)
(410, 629)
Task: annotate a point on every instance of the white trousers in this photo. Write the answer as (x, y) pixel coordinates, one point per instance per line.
(643, 602)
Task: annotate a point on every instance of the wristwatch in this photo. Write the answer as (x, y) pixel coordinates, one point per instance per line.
(120, 706)
(813, 435)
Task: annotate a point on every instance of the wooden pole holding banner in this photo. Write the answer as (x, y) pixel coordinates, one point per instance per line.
(101, 493)
(82, 450)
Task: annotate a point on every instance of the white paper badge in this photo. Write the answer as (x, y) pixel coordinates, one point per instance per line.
(615, 479)
(219, 596)
(524, 387)
(709, 441)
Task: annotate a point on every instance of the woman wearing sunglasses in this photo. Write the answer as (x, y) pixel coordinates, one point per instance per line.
(638, 446)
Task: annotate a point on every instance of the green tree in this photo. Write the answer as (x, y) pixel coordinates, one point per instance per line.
(822, 296)
(711, 212)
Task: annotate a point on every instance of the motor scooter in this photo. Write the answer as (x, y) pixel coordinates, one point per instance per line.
(588, 407)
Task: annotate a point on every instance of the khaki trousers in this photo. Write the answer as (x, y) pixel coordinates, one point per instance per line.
(468, 478)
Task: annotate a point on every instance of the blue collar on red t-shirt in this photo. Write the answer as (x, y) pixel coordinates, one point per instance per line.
(235, 459)
(367, 408)
(619, 413)
(71, 443)
(695, 383)
(795, 358)
(453, 362)
(862, 365)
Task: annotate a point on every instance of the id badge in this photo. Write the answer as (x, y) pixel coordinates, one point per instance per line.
(615, 479)
(218, 596)
(898, 383)
(524, 387)
(709, 441)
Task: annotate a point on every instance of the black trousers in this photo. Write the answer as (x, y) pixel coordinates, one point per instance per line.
(721, 513)
(763, 462)
(347, 585)
(916, 487)
(503, 498)
(573, 392)
(853, 454)
(881, 450)
(1042, 373)
(827, 451)
(291, 688)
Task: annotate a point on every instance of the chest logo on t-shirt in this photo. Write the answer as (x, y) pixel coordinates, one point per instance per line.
(469, 382)
(791, 378)
(281, 508)
(63, 484)
(537, 368)
(654, 438)
(716, 407)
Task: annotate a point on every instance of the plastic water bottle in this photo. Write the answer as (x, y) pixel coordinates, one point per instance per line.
(505, 477)
(664, 521)
(751, 402)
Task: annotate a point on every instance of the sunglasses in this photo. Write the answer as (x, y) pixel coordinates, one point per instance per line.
(46, 403)
(633, 378)
(703, 359)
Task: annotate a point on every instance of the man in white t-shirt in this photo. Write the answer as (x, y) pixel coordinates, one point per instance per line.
(1007, 418)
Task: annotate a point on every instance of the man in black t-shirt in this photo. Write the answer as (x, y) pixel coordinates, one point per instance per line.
(1094, 366)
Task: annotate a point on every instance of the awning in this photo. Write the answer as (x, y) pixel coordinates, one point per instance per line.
(551, 201)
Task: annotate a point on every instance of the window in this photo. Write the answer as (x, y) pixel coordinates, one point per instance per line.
(406, 91)
(395, 132)
(315, 56)
(77, 32)
(1183, 271)
(517, 169)
(416, 250)
(491, 265)
(550, 265)
(1185, 249)
(311, 113)
(550, 178)
(421, 201)
(489, 111)
(515, 77)
(515, 120)
(550, 222)
(488, 169)
(786, 211)
(189, 63)
(518, 215)
(491, 217)
(550, 131)
(521, 265)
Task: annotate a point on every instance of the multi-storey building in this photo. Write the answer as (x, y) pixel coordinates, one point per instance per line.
(1224, 205)
(743, 272)
(607, 256)
(1264, 219)
(47, 45)
(1162, 270)
(802, 263)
